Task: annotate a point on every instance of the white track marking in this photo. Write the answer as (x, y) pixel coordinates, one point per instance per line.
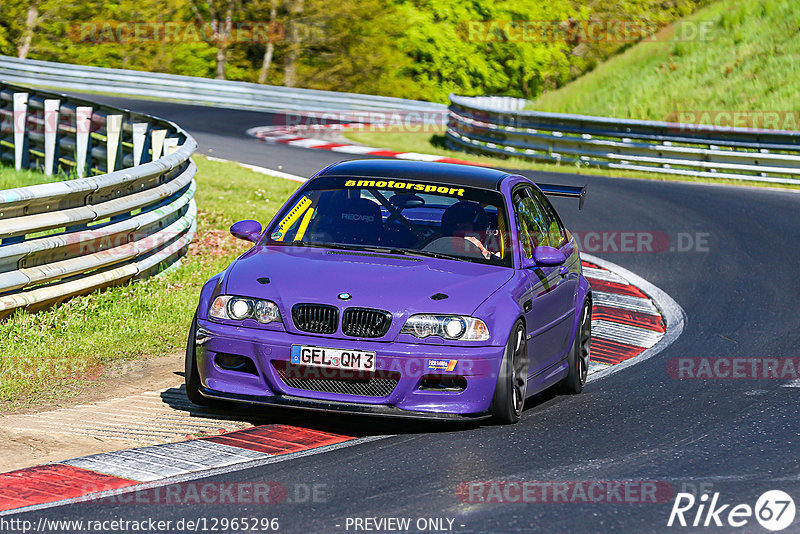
(632, 335)
(354, 149)
(308, 143)
(602, 274)
(627, 302)
(416, 156)
(147, 464)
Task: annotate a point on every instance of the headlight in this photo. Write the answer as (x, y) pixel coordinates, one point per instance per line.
(239, 309)
(446, 326)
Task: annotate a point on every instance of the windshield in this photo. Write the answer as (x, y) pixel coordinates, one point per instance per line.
(399, 217)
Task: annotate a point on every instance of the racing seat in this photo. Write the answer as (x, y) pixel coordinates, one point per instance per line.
(396, 234)
(356, 221)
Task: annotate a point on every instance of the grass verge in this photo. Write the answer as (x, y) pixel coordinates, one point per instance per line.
(743, 57)
(59, 352)
(10, 178)
(433, 143)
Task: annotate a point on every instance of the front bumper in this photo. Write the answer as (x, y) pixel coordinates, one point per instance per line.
(408, 361)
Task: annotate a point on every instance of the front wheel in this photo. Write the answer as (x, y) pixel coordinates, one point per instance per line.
(512, 380)
(579, 355)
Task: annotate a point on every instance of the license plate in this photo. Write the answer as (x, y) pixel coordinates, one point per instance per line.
(356, 360)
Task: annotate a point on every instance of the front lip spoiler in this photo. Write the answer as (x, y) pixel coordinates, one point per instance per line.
(290, 401)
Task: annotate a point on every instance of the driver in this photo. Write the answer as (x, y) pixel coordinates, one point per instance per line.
(468, 220)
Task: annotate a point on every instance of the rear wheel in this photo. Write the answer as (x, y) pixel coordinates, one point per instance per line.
(512, 380)
(580, 354)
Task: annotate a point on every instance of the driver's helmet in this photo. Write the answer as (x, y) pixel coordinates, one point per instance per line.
(465, 217)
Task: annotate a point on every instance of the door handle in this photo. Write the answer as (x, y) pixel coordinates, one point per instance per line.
(527, 305)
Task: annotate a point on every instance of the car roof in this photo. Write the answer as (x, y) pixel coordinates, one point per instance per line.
(422, 171)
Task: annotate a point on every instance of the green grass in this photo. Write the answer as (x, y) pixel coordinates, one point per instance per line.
(749, 61)
(10, 178)
(428, 143)
(58, 352)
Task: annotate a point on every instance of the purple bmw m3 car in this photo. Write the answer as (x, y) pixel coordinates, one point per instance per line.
(398, 288)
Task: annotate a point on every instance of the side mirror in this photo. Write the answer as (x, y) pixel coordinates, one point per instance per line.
(548, 256)
(247, 230)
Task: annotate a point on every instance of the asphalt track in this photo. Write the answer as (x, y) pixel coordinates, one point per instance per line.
(736, 437)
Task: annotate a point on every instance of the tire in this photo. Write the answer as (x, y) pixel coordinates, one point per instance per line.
(579, 354)
(191, 376)
(512, 380)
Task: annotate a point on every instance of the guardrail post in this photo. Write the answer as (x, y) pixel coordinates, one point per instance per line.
(20, 137)
(51, 109)
(83, 130)
(170, 145)
(139, 142)
(157, 143)
(113, 136)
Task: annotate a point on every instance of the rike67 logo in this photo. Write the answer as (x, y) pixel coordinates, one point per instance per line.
(774, 510)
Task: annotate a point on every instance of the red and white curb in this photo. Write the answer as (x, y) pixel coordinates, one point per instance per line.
(112, 473)
(302, 136)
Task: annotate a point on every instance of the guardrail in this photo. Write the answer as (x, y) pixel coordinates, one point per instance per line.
(474, 125)
(127, 211)
(221, 93)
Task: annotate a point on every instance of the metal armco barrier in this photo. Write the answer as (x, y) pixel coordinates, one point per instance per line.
(474, 125)
(128, 211)
(222, 93)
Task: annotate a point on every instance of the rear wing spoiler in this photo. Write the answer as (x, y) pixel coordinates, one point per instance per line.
(569, 191)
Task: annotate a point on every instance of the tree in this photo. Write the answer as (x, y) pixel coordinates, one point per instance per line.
(266, 61)
(294, 42)
(218, 15)
(31, 19)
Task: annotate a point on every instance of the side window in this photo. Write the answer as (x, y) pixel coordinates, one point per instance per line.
(531, 225)
(556, 235)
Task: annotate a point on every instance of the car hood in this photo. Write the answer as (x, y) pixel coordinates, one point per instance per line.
(402, 285)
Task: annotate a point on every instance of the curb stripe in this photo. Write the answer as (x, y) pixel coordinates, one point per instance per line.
(614, 300)
(288, 136)
(145, 464)
(633, 318)
(602, 274)
(613, 352)
(52, 482)
(278, 439)
(633, 335)
(616, 288)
